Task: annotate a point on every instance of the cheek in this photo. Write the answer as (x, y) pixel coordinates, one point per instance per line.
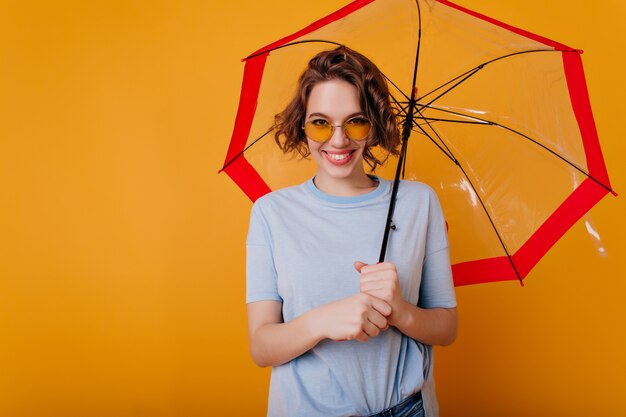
(312, 146)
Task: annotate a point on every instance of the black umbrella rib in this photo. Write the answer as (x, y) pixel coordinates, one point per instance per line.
(245, 149)
(458, 164)
(449, 155)
(427, 135)
(397, 88)
(447, 151)
(459, 82)
(582, 171)
(481, 66)
(434, 119)
(266, 51)
(262, 53)
(401, 108)
(535, 141)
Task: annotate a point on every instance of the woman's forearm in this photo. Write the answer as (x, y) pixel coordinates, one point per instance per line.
(357, 317)
(432, 326)
(274, 344)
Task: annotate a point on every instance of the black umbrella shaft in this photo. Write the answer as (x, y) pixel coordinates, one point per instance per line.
(406, 132)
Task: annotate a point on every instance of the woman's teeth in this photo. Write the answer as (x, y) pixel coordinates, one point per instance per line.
(338, 157)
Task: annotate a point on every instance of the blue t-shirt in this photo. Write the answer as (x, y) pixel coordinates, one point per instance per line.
(301, 247)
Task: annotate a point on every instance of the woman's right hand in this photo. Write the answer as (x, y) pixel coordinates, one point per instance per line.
(358, 317)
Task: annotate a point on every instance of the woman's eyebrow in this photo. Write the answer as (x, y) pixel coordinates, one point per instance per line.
(318, 115)
(360, 113)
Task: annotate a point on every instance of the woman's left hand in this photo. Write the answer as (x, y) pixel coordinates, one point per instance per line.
(381, 280)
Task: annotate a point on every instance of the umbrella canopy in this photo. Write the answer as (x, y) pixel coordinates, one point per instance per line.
(499, 119)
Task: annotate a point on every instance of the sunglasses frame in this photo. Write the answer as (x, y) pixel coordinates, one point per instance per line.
(342, 126)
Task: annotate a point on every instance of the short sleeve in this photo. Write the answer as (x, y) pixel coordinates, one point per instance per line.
(260, 271)
(437, 287)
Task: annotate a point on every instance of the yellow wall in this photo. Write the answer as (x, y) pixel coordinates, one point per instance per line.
(122, 250)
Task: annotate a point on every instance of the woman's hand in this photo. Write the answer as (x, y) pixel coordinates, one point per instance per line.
(381, 281)
(359, 317)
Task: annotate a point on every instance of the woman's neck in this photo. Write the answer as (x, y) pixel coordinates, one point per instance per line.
(345, 187)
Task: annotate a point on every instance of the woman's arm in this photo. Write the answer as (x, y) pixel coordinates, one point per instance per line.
(432, 326)
(274, 342)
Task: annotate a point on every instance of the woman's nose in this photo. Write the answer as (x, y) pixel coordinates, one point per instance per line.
(339, 139)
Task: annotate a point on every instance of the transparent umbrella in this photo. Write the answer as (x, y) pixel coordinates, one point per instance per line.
(496, 119)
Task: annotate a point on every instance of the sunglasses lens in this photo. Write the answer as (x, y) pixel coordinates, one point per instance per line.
(319, 132)
(357, 128)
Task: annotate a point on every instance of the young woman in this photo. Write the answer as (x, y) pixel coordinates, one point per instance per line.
(346, 336)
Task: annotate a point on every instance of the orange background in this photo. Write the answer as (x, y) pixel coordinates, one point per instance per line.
(122, 251)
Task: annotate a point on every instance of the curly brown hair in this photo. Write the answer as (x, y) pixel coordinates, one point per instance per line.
(348, 65)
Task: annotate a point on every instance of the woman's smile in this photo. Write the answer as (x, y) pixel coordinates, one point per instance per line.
(339, 157)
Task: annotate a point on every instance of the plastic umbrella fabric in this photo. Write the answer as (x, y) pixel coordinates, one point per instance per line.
(496, 119)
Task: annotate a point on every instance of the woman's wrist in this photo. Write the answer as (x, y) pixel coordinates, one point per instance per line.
(403, 316)
(313, 325)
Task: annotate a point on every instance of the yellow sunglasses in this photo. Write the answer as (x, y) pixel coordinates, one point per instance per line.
(320, 130)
